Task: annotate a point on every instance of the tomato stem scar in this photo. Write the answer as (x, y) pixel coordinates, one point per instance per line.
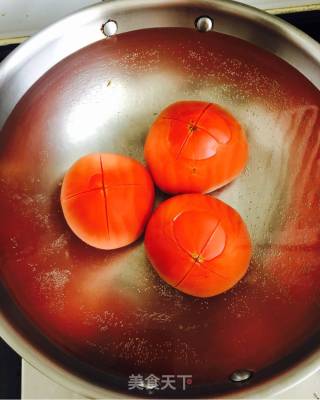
(192, 127)
(198, 258)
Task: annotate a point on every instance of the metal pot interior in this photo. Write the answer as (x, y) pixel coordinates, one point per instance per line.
(108, 310)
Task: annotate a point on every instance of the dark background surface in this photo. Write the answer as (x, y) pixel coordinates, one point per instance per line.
(309, 22)
(10, 362)
(10, 373)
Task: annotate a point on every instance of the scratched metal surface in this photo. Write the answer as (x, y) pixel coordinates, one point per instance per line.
(110, 309)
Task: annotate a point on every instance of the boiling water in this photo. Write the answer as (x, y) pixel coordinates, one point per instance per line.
(109, 308)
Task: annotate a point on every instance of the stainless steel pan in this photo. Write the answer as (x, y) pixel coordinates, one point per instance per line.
(88, 318)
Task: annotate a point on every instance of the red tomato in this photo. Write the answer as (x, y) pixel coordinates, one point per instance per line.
(198, 244)
(107, 199)
(195, 147)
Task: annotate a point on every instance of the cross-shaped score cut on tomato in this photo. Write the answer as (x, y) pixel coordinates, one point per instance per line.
(198, 244)
(191, 139)
(107, 199)
(195, 146)
(205, 241)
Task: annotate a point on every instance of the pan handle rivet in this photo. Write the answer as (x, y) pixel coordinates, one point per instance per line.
(204, 24)
(241, 375)
(110, 28)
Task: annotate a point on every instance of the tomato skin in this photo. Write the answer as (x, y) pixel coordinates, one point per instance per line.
(198, 244)
(107, 199)
(195, 147)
